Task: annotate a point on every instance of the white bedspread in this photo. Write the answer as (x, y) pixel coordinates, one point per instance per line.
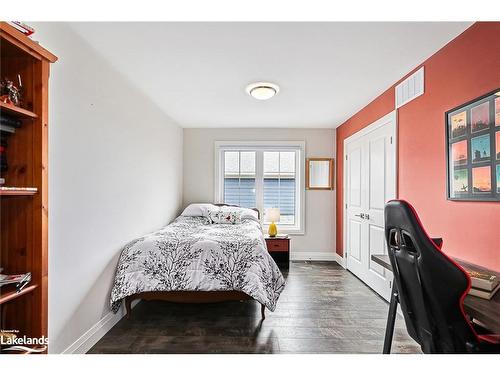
(191, 254)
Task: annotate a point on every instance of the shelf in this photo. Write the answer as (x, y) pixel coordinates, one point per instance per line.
(13, 295)
(12, 191)
(23, 43)
(17, 111)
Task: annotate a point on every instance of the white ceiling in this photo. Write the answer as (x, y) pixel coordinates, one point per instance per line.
(197, 72)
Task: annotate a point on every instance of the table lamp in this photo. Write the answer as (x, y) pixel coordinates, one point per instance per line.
(272, 215)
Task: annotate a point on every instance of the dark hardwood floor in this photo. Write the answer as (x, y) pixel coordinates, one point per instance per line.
(323, 309)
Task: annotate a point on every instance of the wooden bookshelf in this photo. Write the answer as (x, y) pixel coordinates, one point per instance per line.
(24, 213)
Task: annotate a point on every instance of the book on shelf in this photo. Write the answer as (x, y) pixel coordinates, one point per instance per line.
(10, 121)
(22, 27)
(485, 294)
(7, 128)
(11, 279)
(21, 280)
(483, 280)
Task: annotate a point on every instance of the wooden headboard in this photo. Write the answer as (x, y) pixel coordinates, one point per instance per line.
(233, 205)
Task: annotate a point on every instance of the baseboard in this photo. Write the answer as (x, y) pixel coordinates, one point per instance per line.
(340, 260)
(83, 344)
(313, 255)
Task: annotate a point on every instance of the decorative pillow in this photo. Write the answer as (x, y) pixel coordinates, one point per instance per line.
(198, 209)
(224, 216)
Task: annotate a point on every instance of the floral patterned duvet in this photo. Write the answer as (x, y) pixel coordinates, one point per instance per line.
(191, 254)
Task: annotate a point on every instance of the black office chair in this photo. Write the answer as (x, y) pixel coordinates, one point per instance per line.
(431, 287)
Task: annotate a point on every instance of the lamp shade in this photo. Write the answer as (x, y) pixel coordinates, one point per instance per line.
(273, 214)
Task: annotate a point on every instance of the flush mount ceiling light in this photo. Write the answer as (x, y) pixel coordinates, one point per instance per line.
(262, 90)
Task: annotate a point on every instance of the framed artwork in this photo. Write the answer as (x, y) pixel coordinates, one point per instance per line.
(473, 149)
(459, 153)
(480, 148)
(459, 124)
(481, 180)
(460, 181)
(480, 117)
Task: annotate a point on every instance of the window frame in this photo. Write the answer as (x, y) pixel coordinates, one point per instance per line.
(259, 147)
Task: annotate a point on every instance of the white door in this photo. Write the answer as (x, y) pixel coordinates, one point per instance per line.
(370, 181)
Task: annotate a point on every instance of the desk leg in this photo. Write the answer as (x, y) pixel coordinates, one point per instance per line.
(391, 319)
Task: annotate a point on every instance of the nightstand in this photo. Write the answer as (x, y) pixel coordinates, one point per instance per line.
(279, 248)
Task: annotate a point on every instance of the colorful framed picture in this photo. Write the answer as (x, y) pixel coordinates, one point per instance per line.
(473, 149)
(480, 148)
(459, 153)
(459, 125)
(481, 180)
(460, 181)
(480, 117)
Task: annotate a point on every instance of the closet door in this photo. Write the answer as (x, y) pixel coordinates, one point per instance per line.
(356, 206)
(370, 183)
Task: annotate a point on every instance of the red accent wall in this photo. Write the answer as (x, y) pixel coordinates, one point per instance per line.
(467, 67)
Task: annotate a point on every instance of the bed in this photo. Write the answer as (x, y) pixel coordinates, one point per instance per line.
(193, 260)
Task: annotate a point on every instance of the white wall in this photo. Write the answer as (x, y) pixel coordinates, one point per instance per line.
(115, 173)
(198, 186)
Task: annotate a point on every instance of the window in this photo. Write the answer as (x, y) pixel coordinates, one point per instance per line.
(263, 175)
(279, 184)
(239, 178)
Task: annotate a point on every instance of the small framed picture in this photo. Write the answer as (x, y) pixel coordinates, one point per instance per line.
(460, 181)
(459, 153)
(481, 180)
(480, 148)
(459, 125)
(473, 149)
(480, 117)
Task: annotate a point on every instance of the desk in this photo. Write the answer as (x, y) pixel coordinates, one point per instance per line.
(485, 311)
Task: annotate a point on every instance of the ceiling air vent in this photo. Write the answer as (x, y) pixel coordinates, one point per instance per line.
(410, 88)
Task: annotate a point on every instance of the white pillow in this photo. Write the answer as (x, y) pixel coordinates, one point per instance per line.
(198, 209)
(244, 213)
(247, 213)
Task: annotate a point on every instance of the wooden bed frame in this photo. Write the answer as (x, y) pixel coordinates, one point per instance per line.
(194, 296)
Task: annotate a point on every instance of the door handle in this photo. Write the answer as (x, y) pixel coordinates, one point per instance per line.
(364, 216)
